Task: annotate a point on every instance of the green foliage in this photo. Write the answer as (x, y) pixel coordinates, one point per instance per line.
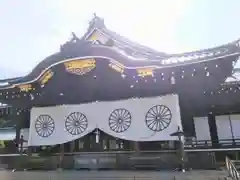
(6, 123)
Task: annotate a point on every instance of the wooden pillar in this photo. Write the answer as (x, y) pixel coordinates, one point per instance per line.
(61, 156)
(87, 142)
(182, 152)
(15, 115)
(107, 142)
(76, 146)
(72, 146)
(237, 155)
(213, 129)
(136, 146)
(29, 151)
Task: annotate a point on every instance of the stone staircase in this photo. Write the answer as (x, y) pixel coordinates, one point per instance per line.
(233, 168)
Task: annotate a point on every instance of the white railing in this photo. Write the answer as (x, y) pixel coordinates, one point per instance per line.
(232, 170)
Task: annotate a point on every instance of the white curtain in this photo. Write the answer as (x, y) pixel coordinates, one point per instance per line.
(139, 109)
(224, 130)
(145, 119)
(56, 125)
(202, 128)
(235, 121)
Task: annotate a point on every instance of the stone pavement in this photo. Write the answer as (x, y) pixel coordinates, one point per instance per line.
(112, 175)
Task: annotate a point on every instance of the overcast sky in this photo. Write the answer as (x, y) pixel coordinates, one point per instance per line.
(30, 30)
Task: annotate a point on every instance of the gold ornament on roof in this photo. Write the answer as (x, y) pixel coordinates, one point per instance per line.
(46, 77)
(25, 87)
(145, 72)
(94, 36)
(117, 67)
(98, 37)
(80, 67)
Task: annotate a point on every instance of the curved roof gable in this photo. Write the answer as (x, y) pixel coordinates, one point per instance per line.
(79, 48)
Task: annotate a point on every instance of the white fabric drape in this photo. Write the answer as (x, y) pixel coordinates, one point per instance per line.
(59, 133)
(138, 131)
(145, 119)
(202, 128)
(235, 122)
(223, 127)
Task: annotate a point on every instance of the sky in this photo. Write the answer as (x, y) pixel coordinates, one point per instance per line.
(31, 30)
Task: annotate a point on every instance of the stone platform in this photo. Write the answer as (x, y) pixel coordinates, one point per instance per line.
(112, 175)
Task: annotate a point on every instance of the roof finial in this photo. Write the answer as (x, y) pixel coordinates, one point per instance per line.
(97, 21)
(74, 37)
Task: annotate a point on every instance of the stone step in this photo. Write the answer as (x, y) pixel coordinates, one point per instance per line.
(114, 175)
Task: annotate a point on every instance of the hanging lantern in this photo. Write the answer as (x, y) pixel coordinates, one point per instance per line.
(32, 97)
(172, 79)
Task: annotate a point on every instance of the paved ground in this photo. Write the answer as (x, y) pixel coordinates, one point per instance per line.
(112, 175)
